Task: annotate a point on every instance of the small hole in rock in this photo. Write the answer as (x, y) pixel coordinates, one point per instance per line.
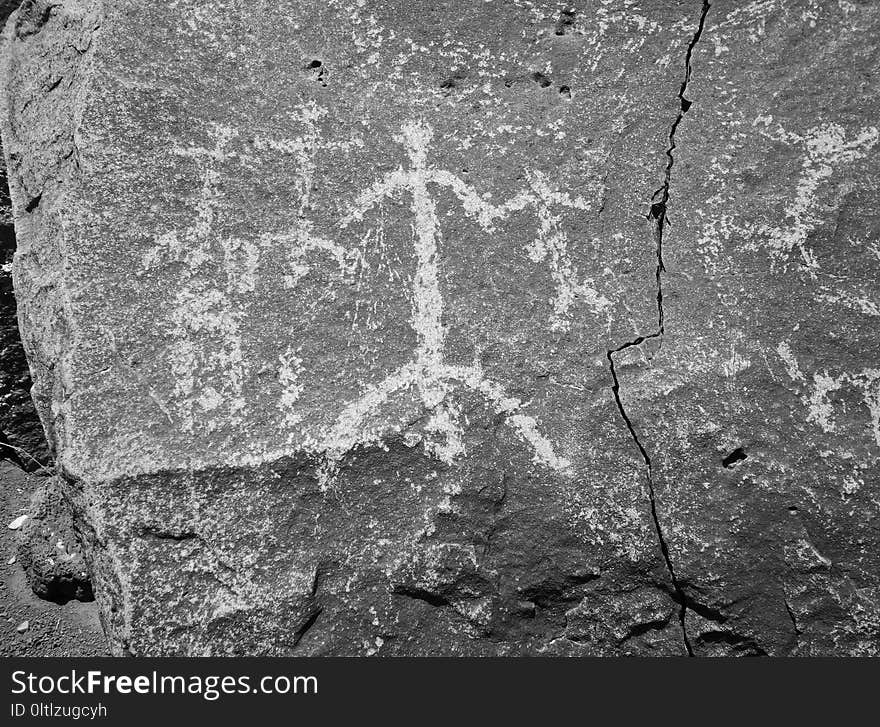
(565, 91)
(34, 203)
(737, 455)
(792, 509)
(565, 21)
(317, 71)
(453, 81)
(541, 79)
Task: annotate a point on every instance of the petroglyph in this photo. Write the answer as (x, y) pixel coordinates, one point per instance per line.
(552, 242)
(206, 356)
(827, 148)
(820, 408)
(302, 239)
(432, 379)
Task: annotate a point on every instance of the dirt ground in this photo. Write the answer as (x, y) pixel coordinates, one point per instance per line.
(71, 629)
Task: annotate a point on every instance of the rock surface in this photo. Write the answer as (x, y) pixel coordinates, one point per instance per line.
(49, 550)
(761, 410)
(460, 328)
(21, 436)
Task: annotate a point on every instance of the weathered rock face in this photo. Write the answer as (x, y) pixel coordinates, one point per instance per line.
(761, 410)
(362, 327)
(21, 436)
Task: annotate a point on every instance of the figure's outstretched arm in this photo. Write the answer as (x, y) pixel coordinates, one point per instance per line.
(476, 205)
(301, 241)
(380, 189)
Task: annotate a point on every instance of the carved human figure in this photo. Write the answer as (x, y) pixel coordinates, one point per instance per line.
(205, 356)
(430, 377)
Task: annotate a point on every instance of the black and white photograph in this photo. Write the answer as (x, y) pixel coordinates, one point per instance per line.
(440, 328)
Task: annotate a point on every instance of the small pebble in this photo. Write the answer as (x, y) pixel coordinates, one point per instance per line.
(18, 522)
(23, 626)
(11, 560)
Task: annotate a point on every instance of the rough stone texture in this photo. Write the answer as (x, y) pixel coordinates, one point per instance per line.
(22, 440)
(49, 551)
(21, 436)
(461, 328)
(54, 629)
(761, 410)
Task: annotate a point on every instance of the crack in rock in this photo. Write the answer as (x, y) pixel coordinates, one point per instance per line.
(306, 626)
(679, 594)
(657, 214)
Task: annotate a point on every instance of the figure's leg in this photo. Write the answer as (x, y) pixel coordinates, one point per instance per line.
(183, 360)
(565, 278)
(347, 430)
(445, 422)
(525, 426)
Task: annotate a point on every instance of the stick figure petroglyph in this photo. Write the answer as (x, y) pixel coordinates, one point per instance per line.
(206, 354)
(428, 374)
(816, 397)
(302, 239)
(552, 241)
(826, 148)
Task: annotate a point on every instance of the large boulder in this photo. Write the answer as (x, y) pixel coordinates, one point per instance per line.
(370, 327)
